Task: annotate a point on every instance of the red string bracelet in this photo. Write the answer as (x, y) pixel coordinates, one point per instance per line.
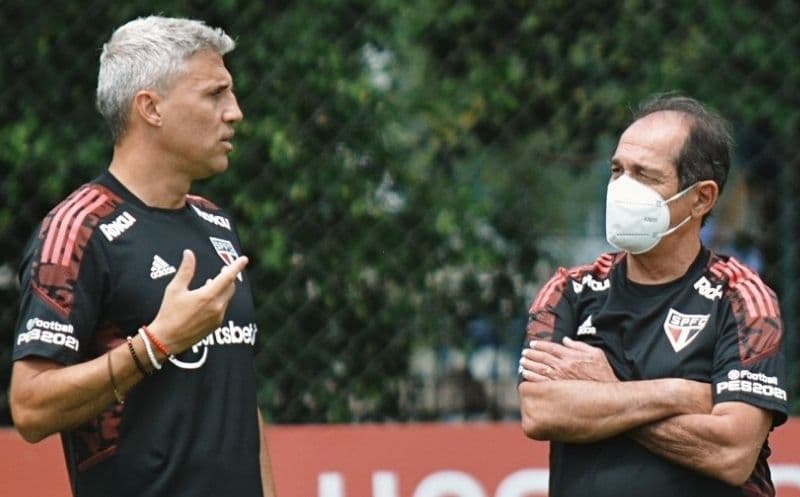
(159, 345)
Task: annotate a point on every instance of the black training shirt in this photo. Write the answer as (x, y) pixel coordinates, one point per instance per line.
(719, 324)
(93, 273)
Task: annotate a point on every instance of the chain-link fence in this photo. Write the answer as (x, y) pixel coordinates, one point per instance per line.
(409, 171)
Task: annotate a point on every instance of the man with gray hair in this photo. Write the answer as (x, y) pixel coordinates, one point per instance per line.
(137, 331)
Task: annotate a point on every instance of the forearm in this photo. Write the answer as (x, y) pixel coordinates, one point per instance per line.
(47, 398)
(720, 444)
(580, 411)
(267, 480)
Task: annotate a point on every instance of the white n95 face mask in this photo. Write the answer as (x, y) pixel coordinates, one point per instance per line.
(636, 215)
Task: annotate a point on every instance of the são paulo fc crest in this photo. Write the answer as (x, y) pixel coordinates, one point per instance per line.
(682, 329)
(226, 251)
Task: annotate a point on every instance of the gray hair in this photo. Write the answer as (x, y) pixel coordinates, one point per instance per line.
(148, 53)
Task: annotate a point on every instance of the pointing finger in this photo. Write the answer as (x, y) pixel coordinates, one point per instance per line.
(238, 265)
(227, 274)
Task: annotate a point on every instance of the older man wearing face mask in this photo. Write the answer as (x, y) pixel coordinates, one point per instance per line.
(657, 370)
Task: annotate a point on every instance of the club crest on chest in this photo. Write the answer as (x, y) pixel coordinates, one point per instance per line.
(226, 251)
(682, 329)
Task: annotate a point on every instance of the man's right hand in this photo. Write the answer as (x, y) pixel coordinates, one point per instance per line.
(187, 316)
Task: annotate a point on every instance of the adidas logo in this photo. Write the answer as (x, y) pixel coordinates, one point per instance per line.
(587, 328)
(160, 268)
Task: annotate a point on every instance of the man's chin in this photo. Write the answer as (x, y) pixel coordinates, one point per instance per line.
(221, 168)
(213, 169)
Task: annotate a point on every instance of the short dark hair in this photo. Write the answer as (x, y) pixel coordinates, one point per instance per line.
(706, 153)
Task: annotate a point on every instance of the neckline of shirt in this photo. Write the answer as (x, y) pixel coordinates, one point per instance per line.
(644, 290)
(108, 179)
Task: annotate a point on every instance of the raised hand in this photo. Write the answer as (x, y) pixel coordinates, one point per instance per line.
(187, 316)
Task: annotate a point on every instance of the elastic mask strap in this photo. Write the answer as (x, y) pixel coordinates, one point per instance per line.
(672, 230)
(681, 193)
(677, 195)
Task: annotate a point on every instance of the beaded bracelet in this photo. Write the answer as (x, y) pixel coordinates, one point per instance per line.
(160, 346)
(136, 359)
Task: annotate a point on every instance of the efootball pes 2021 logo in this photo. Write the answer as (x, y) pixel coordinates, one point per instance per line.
(226, 251)
(682, 329)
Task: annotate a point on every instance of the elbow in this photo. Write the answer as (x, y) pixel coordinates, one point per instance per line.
(533, 428)
(534, 424)
(736, 469)
(29, 431)
(734, 478)
(31, 436)
(736, 475)
(27, 427)
(27, 423)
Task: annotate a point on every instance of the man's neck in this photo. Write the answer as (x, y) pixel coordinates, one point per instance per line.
(666, 262)
(149, 179)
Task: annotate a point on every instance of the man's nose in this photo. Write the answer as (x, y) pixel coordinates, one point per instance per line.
(233, 113)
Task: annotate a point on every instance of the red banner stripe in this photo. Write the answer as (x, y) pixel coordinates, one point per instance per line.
(76, 226)
(61, 212)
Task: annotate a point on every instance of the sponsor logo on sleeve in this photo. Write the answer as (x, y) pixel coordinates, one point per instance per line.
(746, 381)
(118, 226)
(49, 332)
(214, 219)
(682, 329)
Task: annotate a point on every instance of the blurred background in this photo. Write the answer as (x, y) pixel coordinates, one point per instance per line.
(409, 172)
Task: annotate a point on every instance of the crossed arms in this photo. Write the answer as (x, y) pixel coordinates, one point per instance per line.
(570, 394)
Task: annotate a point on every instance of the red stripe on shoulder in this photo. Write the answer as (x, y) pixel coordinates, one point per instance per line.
(64, 234)
(541, 315)
(764, 295)
(755, 308)
(602, 265)
(51, 224)
(759, 299)
(551, 291)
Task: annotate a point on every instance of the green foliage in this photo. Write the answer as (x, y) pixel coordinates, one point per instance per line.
(399, 160)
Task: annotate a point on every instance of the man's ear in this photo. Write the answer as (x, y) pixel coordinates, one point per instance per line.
(707, 194)
(145, 105)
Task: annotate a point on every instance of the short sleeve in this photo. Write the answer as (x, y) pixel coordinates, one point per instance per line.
(551, 315)
(63, 280)
(748, 361)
